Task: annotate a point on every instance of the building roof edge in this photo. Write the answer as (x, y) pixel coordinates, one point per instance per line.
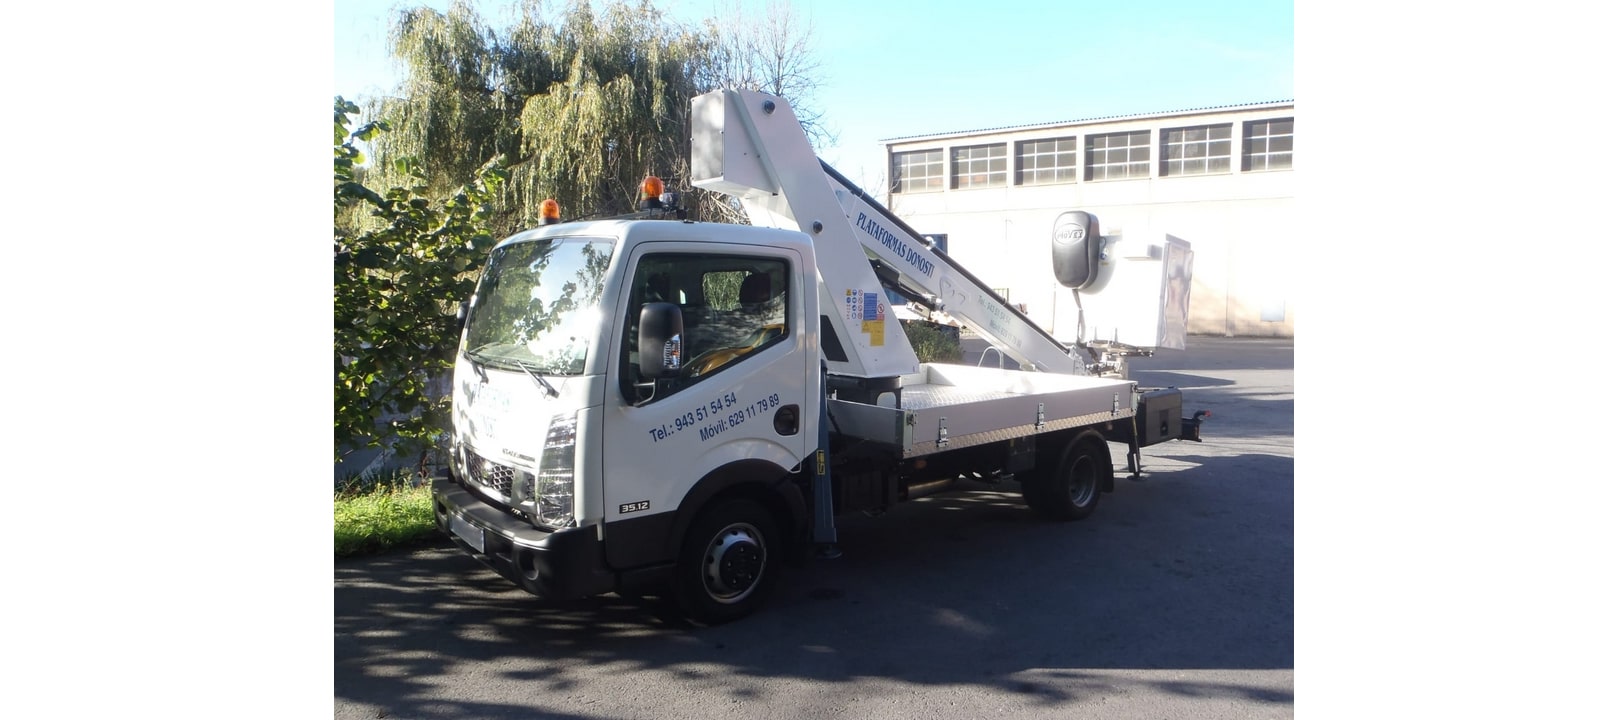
(1081, 121)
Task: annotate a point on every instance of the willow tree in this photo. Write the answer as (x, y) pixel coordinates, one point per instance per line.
(581, 107)
(450, 114)
(620, 111)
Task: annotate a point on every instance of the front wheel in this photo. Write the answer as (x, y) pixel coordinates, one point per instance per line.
(1067, 487)
(727, 566)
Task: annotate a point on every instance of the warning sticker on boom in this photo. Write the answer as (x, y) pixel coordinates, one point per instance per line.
(865, 307)
(872, 320)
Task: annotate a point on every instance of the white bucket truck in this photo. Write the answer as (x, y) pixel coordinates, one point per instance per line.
(646, 405)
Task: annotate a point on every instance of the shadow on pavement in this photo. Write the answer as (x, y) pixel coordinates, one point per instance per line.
(1189, 568)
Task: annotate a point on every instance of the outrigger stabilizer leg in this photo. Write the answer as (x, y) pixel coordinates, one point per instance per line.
(1191, 426)
(823, 533)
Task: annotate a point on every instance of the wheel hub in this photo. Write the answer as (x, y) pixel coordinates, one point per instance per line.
(734, 562)
(1081, 480)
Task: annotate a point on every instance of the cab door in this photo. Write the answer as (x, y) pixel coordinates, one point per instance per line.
(742, 394)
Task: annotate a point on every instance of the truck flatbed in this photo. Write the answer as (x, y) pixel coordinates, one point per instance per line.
(945, 407)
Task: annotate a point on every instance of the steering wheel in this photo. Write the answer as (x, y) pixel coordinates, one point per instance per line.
(712, 359)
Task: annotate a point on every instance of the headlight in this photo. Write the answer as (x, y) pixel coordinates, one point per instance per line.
(552, 489)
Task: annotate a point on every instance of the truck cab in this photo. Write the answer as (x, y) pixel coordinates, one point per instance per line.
(574, 471)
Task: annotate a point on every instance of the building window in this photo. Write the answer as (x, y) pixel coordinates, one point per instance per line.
(918, 171)
(1118, 156)
(1197, 150)
(979, 166)
(1041, 162)
(1269, 144)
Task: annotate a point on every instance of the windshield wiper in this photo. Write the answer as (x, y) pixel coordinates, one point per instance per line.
(548, 388)
(476, 365)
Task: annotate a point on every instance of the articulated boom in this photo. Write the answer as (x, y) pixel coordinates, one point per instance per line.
(927, 270)
(751, 146)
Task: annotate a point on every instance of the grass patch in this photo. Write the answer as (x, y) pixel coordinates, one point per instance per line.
(372, 515)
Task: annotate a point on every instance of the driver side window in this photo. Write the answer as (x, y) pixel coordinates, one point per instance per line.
(733, 307)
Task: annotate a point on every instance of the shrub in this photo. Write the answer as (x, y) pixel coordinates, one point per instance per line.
(933, 342)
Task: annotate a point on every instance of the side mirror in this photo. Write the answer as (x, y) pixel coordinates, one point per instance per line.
(1075, 248)
(660, 340)
(461, 314)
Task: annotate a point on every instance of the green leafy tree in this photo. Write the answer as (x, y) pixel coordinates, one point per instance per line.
(620, 110)
(582, 107)
(396, 290)
(582, 104)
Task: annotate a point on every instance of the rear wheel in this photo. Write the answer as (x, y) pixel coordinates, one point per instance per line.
(727, 566)
(1067, 486)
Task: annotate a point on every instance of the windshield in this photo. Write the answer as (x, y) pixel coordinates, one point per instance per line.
(538, 304)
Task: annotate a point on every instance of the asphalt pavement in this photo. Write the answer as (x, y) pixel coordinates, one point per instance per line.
(1174, 600)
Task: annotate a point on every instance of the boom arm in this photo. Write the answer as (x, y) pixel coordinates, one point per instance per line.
(957, 292)
(751, 146)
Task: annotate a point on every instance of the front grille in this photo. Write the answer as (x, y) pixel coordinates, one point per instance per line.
(491, 475)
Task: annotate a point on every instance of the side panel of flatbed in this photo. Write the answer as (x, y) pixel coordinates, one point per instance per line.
(945, 407)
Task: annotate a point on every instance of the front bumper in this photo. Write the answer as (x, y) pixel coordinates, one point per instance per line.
(563, 564)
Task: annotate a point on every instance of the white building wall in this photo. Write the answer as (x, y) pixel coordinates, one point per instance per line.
(1240, 225)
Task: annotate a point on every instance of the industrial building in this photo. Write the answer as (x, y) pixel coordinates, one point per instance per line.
(1220, 178)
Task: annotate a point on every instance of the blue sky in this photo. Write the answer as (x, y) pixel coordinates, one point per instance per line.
(891, 71)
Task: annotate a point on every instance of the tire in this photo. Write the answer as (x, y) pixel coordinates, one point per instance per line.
(729, 562)
(1067, 487)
